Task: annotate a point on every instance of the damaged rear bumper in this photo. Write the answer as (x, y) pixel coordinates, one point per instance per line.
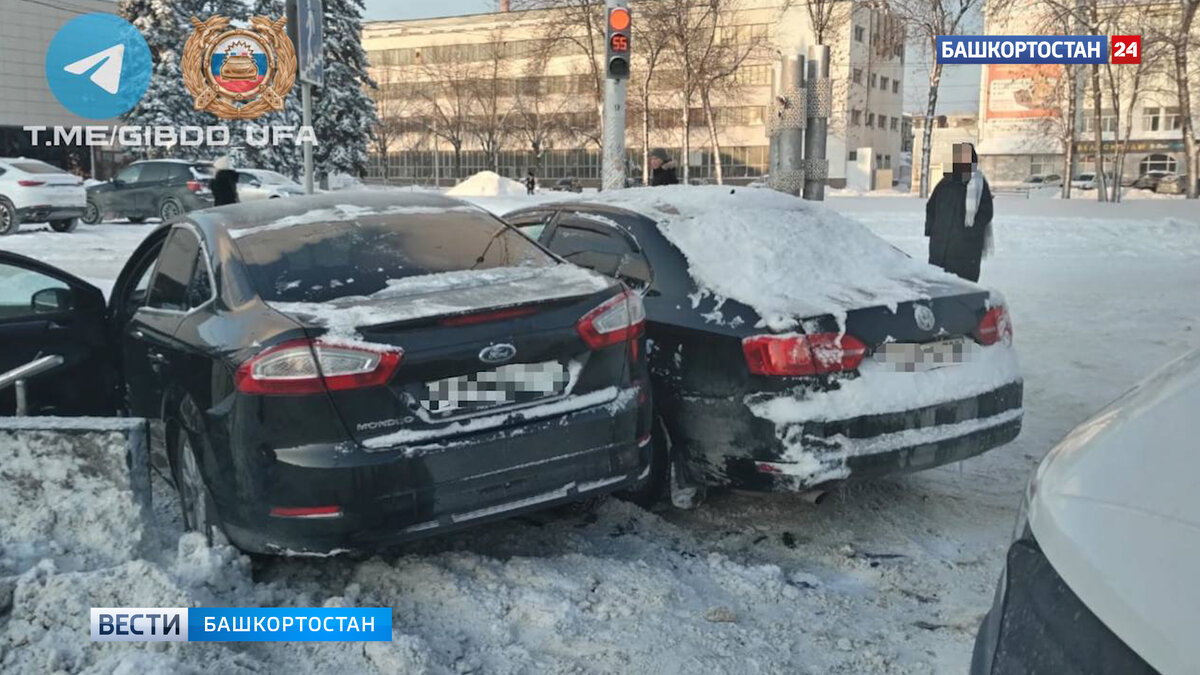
(732, 446)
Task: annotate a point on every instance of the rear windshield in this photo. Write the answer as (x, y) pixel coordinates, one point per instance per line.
(34, 166)
(203, 170)
(318, 262)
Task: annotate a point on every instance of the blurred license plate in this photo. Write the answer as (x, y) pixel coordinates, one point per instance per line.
(511, 384)
(908, 357)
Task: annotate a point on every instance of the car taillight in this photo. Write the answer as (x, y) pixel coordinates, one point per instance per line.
(299, 367)
(306, 511)
(30, 183)
(617, 320)
(792, 355)
(994, 327)
(195, 185)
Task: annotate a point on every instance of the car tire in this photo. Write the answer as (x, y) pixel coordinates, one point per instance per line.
(650, 491)
(67, 225)
(199, 510)
(169, 209)
(91, 214)
(136, 220)
(8, 218)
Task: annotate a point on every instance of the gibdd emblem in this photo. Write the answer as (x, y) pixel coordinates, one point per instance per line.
(239, 74)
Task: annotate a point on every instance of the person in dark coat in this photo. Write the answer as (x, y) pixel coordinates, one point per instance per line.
(530, 182)
(958, 217)
(224, 184)
(662, 168)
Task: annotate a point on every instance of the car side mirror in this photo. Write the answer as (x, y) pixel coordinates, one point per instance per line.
(52, 300)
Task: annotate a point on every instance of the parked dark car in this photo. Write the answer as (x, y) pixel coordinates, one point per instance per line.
(567, 185)
(159, 188)
(752, 402)
(1150, 179)
(343, 371)
(1173, 184)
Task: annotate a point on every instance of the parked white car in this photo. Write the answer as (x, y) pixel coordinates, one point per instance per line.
(32, 191)
(254, 184)
(1101, 575)
(1087, 181)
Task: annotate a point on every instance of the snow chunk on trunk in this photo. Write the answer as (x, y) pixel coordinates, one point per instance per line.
(785, 257)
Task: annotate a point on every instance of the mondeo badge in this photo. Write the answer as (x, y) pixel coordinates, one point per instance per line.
(925, 317)
(498, 353)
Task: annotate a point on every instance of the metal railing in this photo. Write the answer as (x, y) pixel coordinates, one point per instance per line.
(18, 376)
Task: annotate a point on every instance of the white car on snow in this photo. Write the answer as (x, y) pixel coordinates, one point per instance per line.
(254, 184)
(32, 191)
(1101, 575)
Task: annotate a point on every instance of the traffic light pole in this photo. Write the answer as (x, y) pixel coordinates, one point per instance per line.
(613, 158)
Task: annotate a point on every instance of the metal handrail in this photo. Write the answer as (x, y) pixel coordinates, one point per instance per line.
(17, 376)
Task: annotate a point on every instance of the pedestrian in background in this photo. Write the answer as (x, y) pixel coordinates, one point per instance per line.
(662, 168)
(530, 182)
(958, 216)
(224, 184)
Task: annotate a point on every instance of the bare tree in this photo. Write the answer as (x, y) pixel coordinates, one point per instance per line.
(691, 31)
(491, 96)
(446, 100)
(396, 108)
(827, 17)
(538, 111)
(927, 19)
(1182, 44)
(649, 55)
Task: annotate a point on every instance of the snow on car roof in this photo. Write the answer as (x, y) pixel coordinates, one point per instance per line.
(785, 257)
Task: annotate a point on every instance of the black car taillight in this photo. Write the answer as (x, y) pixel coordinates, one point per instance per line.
(615, 321)
(796, 355)
(299, 367)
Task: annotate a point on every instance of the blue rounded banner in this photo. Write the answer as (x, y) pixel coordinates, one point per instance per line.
(98, 66)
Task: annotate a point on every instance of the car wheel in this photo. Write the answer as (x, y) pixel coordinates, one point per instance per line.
(650, 491)
(91, 214)
(199, 513)
(169, 210)
(136, 220)
(8, 218)
(67, 225)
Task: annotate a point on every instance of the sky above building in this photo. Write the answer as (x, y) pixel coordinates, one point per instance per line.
(959, 90)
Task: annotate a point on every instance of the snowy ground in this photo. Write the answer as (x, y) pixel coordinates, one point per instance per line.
(886, 577)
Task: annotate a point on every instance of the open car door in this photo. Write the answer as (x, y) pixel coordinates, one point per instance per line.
(45, 311)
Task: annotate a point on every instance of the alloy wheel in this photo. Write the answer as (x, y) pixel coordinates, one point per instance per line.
(191, 488)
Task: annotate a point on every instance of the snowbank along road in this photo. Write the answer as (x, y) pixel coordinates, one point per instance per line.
(891, 576)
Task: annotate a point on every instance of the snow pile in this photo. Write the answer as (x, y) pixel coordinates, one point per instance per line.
(487, 184)
(783, 256)
(430, 295)
(66, 495)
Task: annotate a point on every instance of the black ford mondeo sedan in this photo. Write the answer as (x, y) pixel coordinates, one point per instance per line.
(343, 371)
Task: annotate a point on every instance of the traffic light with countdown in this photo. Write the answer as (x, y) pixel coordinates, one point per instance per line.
(619, 31)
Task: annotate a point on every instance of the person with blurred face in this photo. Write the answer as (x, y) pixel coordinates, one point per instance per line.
(958, 216)
(662, 168)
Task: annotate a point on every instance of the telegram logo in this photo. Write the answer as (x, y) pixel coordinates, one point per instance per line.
(98, 66)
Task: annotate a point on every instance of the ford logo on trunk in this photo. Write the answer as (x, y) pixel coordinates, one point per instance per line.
(924, 316)
(498, 353)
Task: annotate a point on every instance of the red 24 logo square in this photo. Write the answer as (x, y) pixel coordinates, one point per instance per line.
(1126, 49)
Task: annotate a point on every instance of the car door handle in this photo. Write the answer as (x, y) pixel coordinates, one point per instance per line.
(156, 357)
(137, 333)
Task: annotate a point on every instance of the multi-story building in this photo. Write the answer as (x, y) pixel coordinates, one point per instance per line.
(26, 28)
(1023, 110)
(488, 89)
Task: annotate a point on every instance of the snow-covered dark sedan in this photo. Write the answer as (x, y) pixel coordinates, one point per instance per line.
(789, 346)
(341, 371)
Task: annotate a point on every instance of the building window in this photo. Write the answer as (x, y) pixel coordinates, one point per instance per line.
(1156, 163)
(853, 156)
(887, 161)
(1040, 165)
(870, 119)
(1108, 121)
(1150, 121)
(874, 80)
(856, 117)
(1173, 121)
(895, 86)
(895, 123)
(898, 51)
(858, 33)
(883, 83)
(858, 76)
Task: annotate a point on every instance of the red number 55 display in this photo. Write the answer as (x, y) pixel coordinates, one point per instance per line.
(1126, 49)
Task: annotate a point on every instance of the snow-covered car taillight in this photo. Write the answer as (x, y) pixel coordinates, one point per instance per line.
(795, 355)
(298, 367)
(617, 320)
(995, 326)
